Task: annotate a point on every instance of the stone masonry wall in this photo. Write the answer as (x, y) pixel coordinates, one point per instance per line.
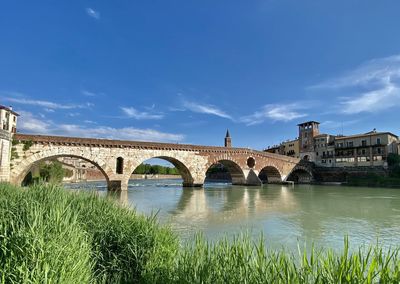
(191, 160)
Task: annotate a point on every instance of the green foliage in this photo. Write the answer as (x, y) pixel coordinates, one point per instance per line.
(393, 160)
(14, 142)
(155, 169)
(27, 145)
(49, 235)
(374, 180)
(40, 239)
(14, 154)
(52, 172)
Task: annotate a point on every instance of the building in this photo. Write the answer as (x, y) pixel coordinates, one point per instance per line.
(307, 131)
(8, 126)
(291, 148)
(8, 119)
(276, 149)
(324, 148)
(369, 149)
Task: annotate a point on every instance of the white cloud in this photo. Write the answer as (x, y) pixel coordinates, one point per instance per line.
(140, 115)
(275, 112)
(88, 94)
(48, 106)
(206, 109)
(374, 72)
(28, 123)
(374, 101)
(375, 86)
(92, 13)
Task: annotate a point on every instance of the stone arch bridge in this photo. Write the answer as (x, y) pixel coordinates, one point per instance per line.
(118, 159)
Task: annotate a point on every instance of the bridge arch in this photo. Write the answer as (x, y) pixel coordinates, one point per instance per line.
(22, 169)
(300, 174)
(184, 171)
(233, 167)
(270, 174)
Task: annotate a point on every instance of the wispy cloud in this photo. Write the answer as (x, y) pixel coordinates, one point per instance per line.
(206, 109)
(140, 115)
(374, 86)
(275, 112)
(88, 94)
(92, 13)
(29, 123)
(47, 105)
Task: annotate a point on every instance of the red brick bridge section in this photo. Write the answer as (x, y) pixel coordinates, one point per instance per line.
(118, 159)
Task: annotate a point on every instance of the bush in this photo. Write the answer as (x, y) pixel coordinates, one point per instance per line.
(393, 160)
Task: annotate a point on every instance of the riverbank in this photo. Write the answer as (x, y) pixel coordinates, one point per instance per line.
(66, 237)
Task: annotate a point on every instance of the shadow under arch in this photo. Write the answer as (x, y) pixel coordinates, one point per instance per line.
(270, 174)
(28, 169)
(237, 176)
(300, 176)
(180, 166)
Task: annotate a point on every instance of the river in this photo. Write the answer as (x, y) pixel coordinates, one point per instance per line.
(286, 215)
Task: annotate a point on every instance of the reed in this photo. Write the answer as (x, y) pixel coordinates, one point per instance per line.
(49, 235)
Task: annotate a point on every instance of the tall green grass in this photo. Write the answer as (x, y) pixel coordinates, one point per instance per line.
(49, 235)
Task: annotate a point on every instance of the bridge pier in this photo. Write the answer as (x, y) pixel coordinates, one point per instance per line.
(117, 185)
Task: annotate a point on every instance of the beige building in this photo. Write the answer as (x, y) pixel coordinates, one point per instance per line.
(291, 148)
(324, 148)
(369, 149)
(8, 126)
(8, 119)
(276, 149)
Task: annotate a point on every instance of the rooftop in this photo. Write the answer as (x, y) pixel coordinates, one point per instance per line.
(371, 133)
(9, 109)
(308, 122)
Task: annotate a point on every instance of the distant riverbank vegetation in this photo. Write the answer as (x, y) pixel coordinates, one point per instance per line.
(372, 179)
(50, 235)
(144, 169)
(50, 172)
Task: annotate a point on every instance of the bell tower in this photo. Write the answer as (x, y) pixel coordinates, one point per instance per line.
(228, 140)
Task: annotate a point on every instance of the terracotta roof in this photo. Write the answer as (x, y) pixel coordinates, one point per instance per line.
(8, 109)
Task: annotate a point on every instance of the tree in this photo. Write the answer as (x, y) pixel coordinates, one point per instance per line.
(52, 172)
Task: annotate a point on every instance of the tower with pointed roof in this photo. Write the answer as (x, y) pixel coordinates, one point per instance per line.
(228, 140)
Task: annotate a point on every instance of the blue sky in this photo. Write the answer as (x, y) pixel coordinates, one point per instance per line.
(185, 71)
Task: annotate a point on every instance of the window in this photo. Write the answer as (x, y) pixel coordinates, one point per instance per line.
(120, 166)
(350, 144)
(363, 151)
(378, 141)
(15, 118)
(363, 142)
(379, 150)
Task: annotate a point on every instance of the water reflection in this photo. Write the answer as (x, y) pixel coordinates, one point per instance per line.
(286, 215)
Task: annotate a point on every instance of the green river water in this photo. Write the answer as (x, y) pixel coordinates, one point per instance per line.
(285, 215)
